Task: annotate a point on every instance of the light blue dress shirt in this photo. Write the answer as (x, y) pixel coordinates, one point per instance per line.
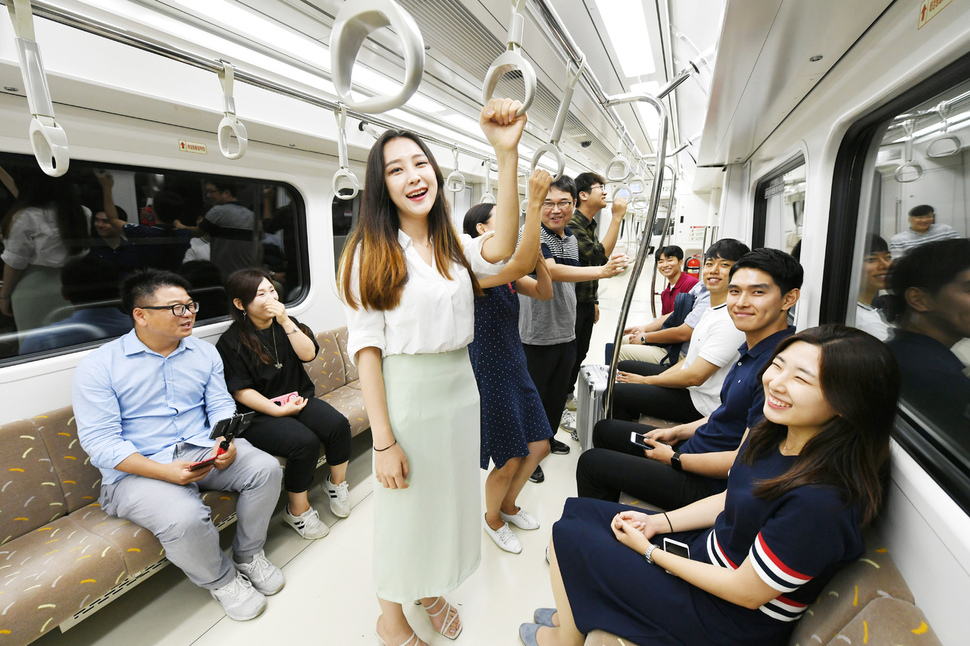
(129, 399)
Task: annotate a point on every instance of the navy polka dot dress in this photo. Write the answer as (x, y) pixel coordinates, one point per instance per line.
(512, 413)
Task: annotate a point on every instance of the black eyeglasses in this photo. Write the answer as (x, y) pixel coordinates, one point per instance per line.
(562, 206)
(179, 309)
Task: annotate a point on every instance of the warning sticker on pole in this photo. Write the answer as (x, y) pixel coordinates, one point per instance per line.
(192, 147)
(928, 10)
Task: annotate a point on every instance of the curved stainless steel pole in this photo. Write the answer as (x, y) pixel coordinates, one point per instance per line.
(663, 236)
(658, 173)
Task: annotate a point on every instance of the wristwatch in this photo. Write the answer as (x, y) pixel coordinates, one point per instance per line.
(675, 461)
(649, 553)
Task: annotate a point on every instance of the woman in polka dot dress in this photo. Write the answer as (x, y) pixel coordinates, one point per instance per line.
(514, 426)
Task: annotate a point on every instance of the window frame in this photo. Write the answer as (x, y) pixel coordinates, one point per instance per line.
(759, 224)
(300, 228)
(850, 174)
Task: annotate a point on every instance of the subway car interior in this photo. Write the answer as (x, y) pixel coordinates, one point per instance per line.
(208, 136)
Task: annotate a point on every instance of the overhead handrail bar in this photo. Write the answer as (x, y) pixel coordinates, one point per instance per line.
(657, 187)
(230, 127)
(345, 183)
(354, 22)
(47, 139)
(663, 237)
(487, 197)
(944, 144)
(455, 181)
(511, 59)
(553, 147)
(908, 163)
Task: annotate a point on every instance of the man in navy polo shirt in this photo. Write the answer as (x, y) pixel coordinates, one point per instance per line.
(687, 462)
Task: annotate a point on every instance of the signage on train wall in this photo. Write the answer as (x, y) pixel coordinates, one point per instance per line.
(928, 10)
(192, 147)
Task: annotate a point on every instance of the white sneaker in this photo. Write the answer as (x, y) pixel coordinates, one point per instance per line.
(568, 421)
(339, 499)
(504, 538)
(239, 599)
(521, 519)
(265, 577)
(308, 524)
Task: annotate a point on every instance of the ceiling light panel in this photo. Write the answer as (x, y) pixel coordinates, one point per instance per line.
(626, 26)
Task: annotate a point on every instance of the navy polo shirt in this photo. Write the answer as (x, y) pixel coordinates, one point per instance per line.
(742, 402)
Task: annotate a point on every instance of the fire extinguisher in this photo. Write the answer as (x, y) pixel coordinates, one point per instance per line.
(694, 265)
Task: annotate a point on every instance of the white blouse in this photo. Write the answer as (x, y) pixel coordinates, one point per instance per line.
(35, 239)
(434, 315)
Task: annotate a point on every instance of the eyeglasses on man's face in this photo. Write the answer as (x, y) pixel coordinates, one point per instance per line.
(179, 309)
(597, 186)
(562, 205)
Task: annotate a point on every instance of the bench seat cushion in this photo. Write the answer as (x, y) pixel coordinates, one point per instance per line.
(888, 621)
(137, 545)
(49, 574)
(327, 369)
(80, 481)
(349, 401)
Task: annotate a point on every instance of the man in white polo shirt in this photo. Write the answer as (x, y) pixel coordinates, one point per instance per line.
(691, 388)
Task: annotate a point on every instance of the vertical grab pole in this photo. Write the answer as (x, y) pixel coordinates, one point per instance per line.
(663, 238)
(47, 139)
(658, 173)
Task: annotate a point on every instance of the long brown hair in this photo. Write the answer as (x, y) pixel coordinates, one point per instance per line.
(860, 381)
(37, 189)
(383, 269)
(243, 284)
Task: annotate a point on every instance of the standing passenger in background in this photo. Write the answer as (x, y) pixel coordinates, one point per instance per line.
(408, 281)
(590, 200)
(922, 229)
(669, 265)
(46, 227)
(229, 226)
(875, 267)
(264, 351)
(514, 428)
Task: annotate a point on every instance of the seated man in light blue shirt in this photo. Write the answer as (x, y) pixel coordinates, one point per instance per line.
(144, 405)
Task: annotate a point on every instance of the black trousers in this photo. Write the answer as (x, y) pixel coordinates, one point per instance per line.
(585, 319)
(549, 367)
(616, 465)
(298, 438)
(632, 400)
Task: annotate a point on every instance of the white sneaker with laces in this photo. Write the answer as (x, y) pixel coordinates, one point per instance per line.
(521, 519)
(568, 421)
(239, 599)
(504, 538)
(308, 524)
(263, 575)
(339, 498)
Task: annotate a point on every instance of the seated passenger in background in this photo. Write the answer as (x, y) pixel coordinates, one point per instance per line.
(760, 552)
(670, 260)
(145, 405)
(922, 229)
(691, 388)
(869, 316)
(108, 243)
(264, 351)
(161, 245)
(655, 341)
(929, 303)
(685, 464)
(229, 226)
(91, 285)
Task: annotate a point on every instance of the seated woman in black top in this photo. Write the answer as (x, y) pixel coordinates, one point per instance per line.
(803, 486)
(264, 351)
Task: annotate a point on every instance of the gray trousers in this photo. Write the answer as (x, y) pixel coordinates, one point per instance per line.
(176, 515)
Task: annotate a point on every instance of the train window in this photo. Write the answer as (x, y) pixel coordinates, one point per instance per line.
(67, 242)
(780, 207)
(344, 214)
(902, 211)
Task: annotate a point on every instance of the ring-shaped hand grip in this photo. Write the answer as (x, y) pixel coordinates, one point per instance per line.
(345, 184)
(618, 170)
(230, 128)
(944, 146)
(524, 205)
(49, 142)
(639, 201)
(455, 182)
(620, 188)
(637, 186)
(556, 152)
(488, 198)
(506, 62)
(899, 174)
(355, 21)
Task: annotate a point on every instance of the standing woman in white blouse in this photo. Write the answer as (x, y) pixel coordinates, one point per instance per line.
(408, 280)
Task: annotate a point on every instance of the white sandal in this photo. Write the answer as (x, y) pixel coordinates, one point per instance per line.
(446, 626)
(407, 642)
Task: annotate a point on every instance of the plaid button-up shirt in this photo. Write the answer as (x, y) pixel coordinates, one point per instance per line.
(591, 254)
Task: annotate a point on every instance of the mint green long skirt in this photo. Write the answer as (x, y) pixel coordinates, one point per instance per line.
(428, 537)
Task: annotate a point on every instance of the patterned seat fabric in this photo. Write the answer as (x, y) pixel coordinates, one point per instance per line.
(327, 369)
(349, 368)
(349, 401)
(888, 621)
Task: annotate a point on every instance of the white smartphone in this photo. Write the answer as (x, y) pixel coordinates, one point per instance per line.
(676, 547)
(637, 438)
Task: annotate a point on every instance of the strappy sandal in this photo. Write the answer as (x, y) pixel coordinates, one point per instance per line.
(414, 637)
(446, 626)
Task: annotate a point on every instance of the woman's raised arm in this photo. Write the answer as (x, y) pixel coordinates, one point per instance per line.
(504, 129)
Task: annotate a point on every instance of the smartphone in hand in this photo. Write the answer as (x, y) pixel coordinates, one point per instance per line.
(639, 440)
(203, 464)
